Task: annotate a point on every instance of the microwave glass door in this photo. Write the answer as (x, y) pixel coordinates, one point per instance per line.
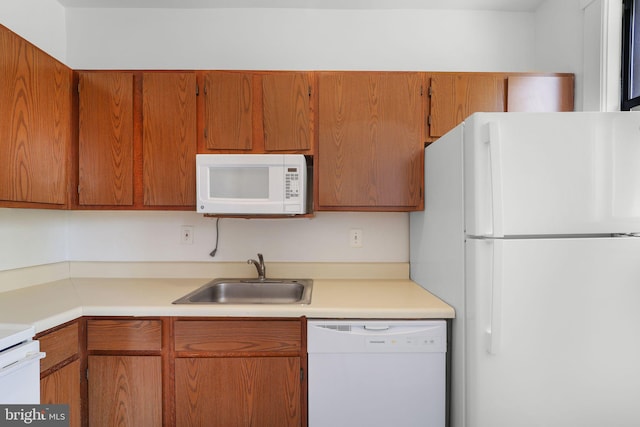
(239, 182)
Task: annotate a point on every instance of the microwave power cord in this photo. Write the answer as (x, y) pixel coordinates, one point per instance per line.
(215, 249)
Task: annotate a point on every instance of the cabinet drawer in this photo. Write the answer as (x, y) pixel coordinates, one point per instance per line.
(238, 336)
(59, 345)
(142, 335)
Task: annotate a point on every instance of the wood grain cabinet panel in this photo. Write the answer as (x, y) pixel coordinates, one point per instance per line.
(169, 138)
(125, 391)
(540, 93)
(63, 387)
(60, 370)
(228, 105)
(60, 345)
(239, 392)
(239, 372)
(124, 335)
(237, 336)
(35, 129)
(370, 147)
(105, 148)
(286, 110)
(454, 97)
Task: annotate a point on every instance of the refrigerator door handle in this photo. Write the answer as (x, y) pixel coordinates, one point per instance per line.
(494, 331)
(491, 136)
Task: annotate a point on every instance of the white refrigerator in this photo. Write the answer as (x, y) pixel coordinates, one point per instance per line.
(531, 231)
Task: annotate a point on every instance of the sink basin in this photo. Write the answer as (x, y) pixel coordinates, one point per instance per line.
(251, 291)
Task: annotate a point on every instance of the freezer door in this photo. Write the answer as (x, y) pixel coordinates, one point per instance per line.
(552, 173)
(552, 332)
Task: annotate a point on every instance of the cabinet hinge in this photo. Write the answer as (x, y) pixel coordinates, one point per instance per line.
(78, 189)
(429, 119)
(197, 90)
(86, 374)
(430, 91)
(206, 133)
(421, 90)
(204, 90)
(301, 375)
(309, 91)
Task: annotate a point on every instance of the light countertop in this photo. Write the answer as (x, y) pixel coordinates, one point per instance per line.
(50, 304)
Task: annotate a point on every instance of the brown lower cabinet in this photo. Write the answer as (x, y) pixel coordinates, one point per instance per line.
(238, 391)
(239, 372)
(176, 371)
(60, 370)
(125, 391)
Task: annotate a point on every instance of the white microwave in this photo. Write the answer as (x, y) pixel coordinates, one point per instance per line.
(251, 184)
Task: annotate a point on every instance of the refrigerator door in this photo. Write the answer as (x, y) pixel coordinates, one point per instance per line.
(552, 173)
(552, 332)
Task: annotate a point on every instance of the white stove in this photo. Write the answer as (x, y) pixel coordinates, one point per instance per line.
(19, 364)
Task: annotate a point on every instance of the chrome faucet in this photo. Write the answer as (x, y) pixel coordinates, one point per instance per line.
(262, 270)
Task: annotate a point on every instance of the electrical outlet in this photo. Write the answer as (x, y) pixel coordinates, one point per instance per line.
(186, 234)
(355, 238)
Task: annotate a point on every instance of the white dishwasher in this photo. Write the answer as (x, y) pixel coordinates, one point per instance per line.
(377, 373)
(19, 364)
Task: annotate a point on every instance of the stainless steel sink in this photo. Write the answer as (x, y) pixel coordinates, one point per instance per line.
(251, 291)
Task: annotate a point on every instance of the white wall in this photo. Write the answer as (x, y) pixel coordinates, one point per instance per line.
(300, 39)
(559, 41)
(42, 22)
(155, 236)
(32, 237)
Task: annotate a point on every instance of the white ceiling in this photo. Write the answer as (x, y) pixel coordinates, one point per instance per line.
(505, 5)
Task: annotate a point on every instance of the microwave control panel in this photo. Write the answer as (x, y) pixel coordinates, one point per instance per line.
(292, 183)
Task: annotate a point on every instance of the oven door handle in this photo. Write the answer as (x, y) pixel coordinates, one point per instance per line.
(18, 364)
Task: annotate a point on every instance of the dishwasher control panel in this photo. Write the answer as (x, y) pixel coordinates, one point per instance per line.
(376, 336)
(420, 343)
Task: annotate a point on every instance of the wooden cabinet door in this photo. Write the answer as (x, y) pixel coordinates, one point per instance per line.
(228, 105)
(540, 93)
(238, 391)
(125, 391)
(105, 148)
(454, 97)
(35, 123)
(169, 138)
(370, 148)
(60, 371)
(286, 111)
(63, 387)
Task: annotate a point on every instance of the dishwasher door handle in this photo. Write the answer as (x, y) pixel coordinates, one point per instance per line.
(377, 327)
(19, 364)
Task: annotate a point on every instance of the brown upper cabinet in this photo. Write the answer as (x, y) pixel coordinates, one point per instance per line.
(286, 112)
(257, 112)
(169, 138)
(105, 142)
(228, 105)
(370, 144)
(136, 140)
(455, 96)
(128, 139)
(35, 129)
(540, 93)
